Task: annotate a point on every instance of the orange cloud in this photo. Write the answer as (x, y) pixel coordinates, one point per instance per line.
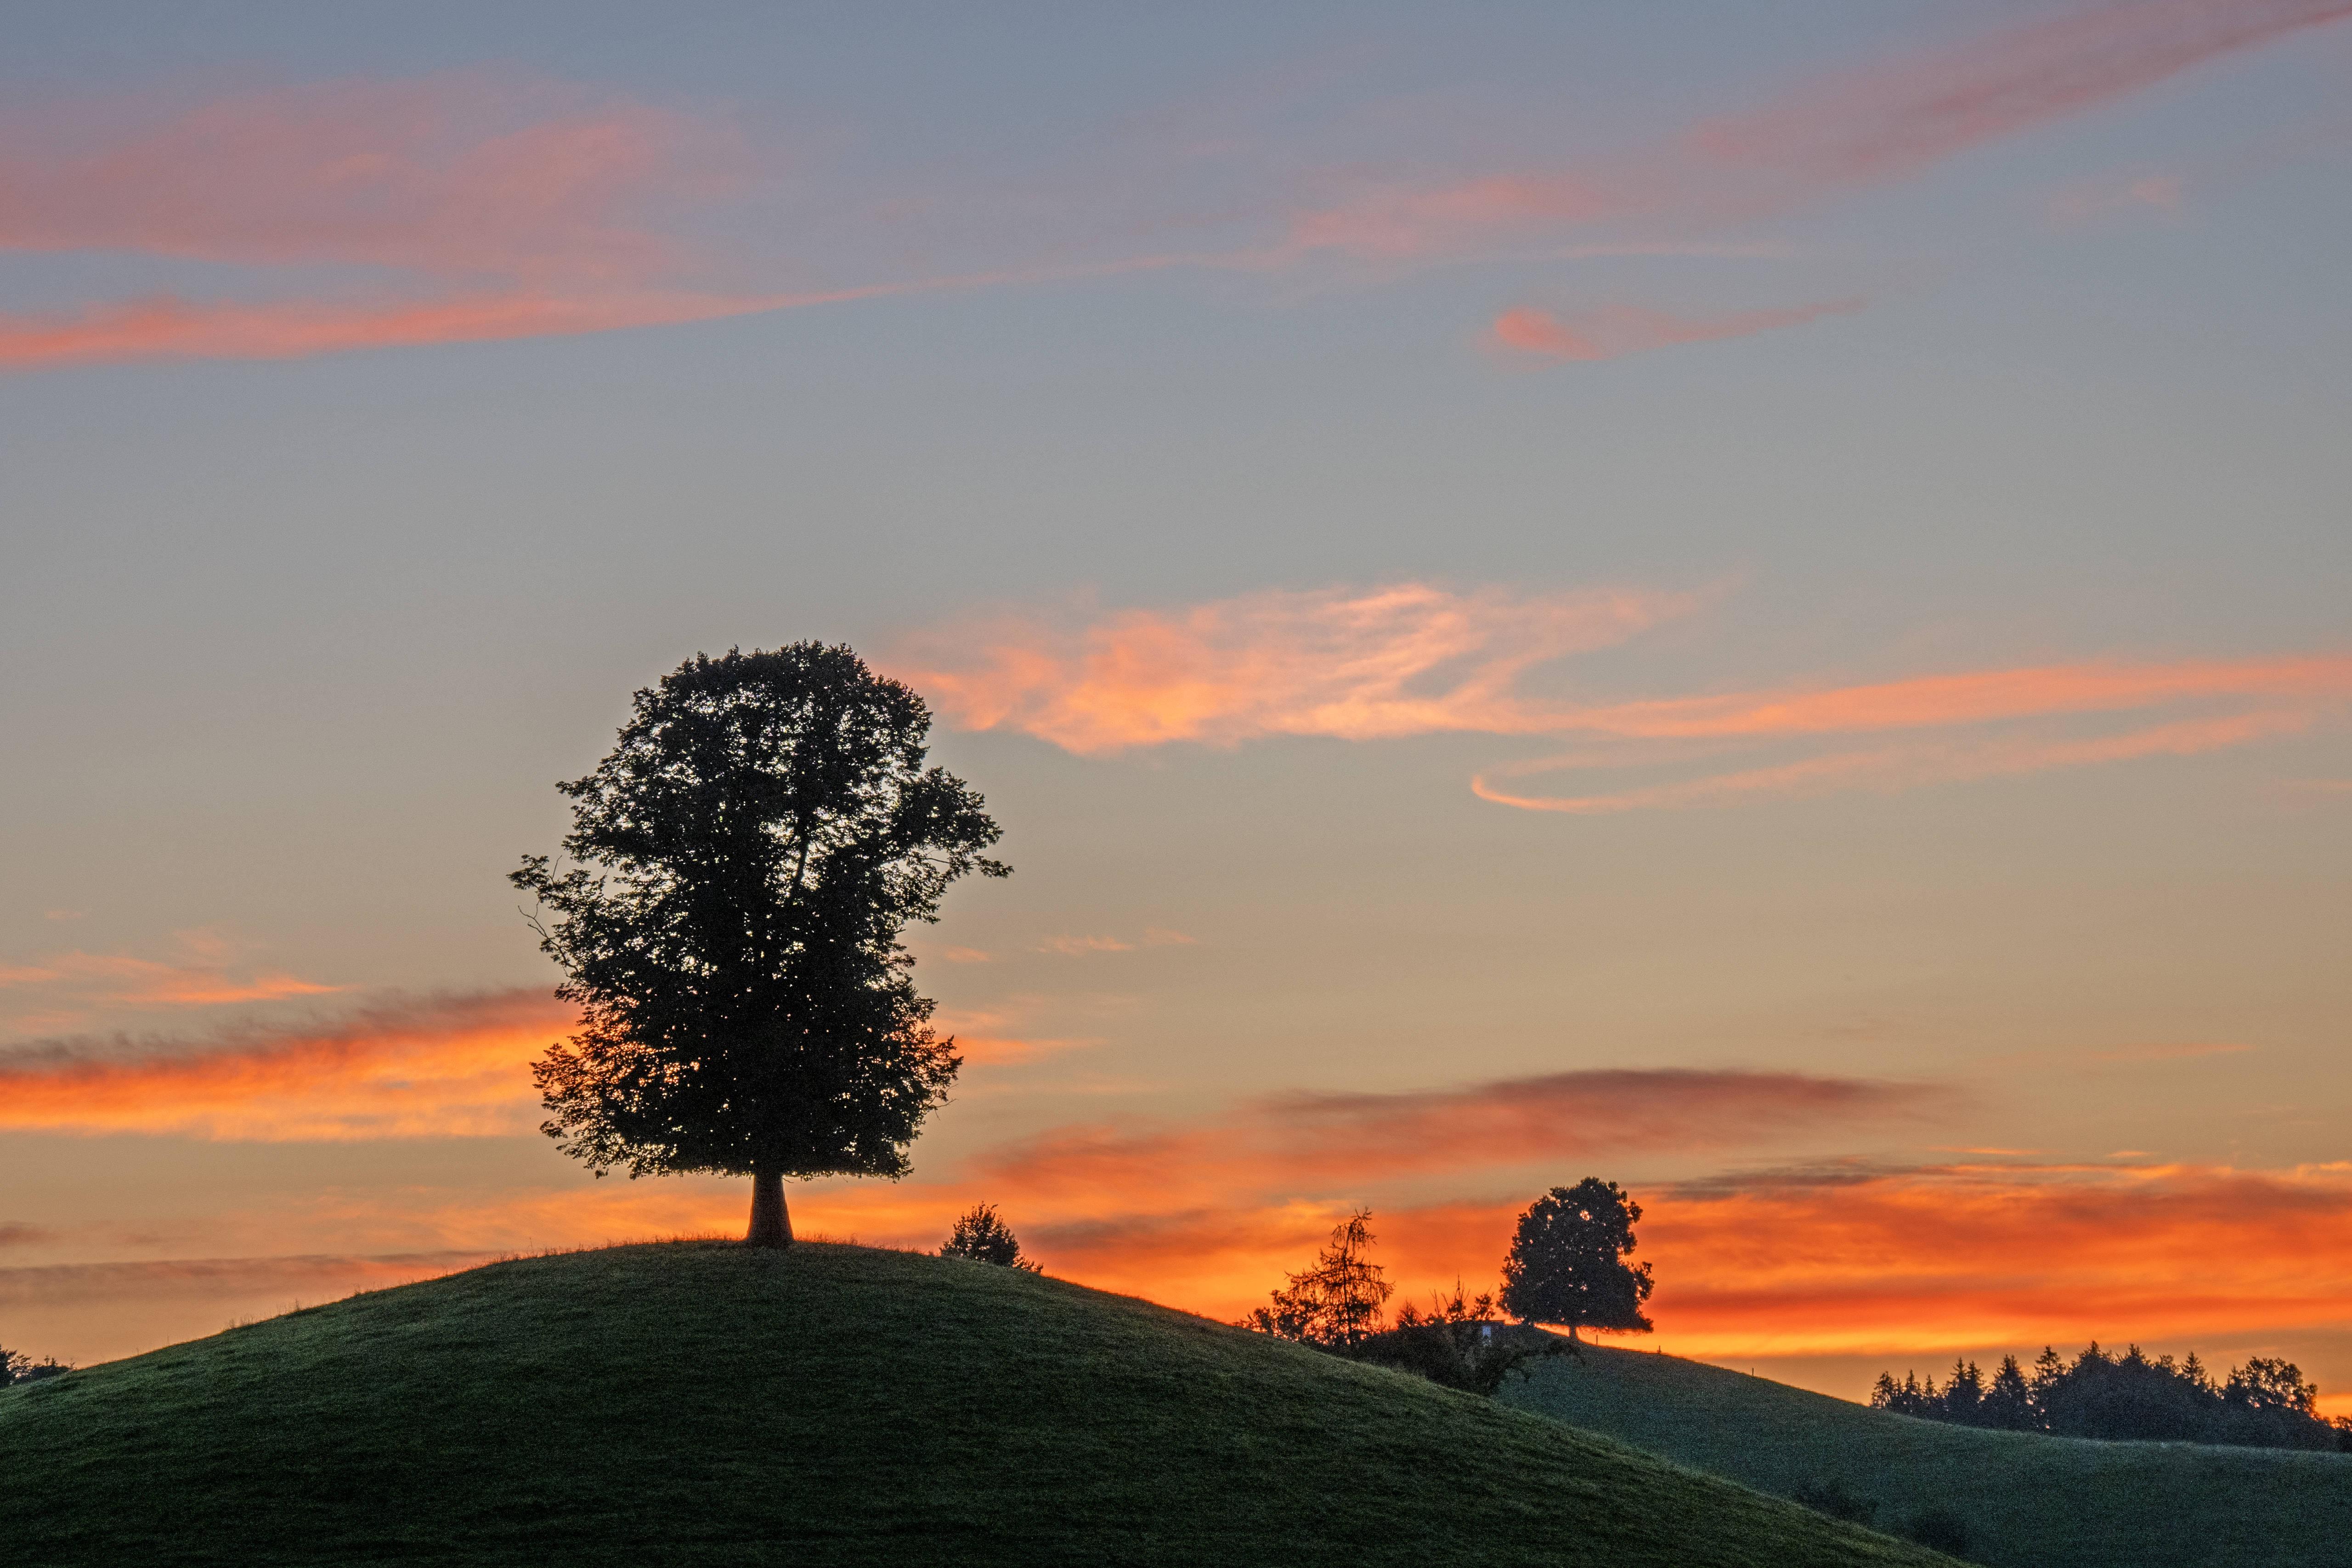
(1864, 128)
(1329, 1146)
(1413, 658)
(167, 328)
(64, 989)
(1619, 329)
(442, 1069)
(1938, 1259)
(1406, 659)
(1906, 1264)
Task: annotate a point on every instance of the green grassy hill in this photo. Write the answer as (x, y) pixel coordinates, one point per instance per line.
(2028, 1501)
(696, 1403)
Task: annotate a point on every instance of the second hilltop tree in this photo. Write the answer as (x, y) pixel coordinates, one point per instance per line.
(741, 866)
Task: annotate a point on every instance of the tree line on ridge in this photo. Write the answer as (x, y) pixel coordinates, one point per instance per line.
(2264, 1404)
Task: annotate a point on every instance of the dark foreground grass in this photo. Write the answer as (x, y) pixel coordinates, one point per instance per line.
(2027, 1501)
(699, 1403)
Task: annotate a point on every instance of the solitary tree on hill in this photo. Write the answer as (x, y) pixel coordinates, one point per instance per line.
(742, 865)
(1566, 1264)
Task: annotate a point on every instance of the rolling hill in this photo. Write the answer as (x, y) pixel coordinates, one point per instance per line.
(2027, 1501)
(701, 1404)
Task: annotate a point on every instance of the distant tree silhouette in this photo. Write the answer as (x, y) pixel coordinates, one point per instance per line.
(2008, 1401)
(984, 1237)
(1336, 1303)
(1566, 1264)
(2264, 1404)
(17, 1367)
(743, 864)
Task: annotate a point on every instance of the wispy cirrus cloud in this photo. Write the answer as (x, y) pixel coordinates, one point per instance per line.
(1865, 127)
(1355, 664)
(1616, 330)
(475, 206)
(2001, 723)
(462, 206)
(62, 990)
(1416, 659)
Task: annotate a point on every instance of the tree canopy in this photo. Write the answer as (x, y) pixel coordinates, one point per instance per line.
(1566, 1264)
(740, 867)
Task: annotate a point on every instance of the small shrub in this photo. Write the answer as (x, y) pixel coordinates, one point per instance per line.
(1832, 1497)
(1460, 1344)
(982, 1236)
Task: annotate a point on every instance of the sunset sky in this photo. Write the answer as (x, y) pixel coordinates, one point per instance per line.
(1751, 600)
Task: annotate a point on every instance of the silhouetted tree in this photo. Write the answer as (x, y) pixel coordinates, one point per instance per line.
(984, 1237)
(1566, 1264)
(2264, 1404)
(17, 1367)
(744, 861)
(2007, 1400)
(1964, 1395)
(1336, 1303)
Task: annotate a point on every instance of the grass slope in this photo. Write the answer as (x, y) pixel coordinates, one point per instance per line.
(696, 1403)
(2030, 1501)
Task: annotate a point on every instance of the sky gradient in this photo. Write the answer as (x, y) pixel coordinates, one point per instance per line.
(1748, 601)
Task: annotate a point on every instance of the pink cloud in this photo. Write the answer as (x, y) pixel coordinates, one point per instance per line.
(1406, 659)
(1413, 659)
(166, 328)
(1616, 330)
(1849, 131)
(459, 175)
(63, 988)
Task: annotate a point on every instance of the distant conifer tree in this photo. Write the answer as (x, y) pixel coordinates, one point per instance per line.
(1337, 1302)
(1566, 1264)
(743, 864)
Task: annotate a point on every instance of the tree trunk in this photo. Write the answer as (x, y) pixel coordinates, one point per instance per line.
(770, 1225)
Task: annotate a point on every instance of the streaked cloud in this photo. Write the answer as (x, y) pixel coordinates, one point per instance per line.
(2008, 718)
(205, 969)
(1074, 946)
(439, 1068)
(1413, 658)
(1830, 137)
(1355, 664)
(1911, 1262)
(1319, 1146)
(1615, 330)
(496, 206)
